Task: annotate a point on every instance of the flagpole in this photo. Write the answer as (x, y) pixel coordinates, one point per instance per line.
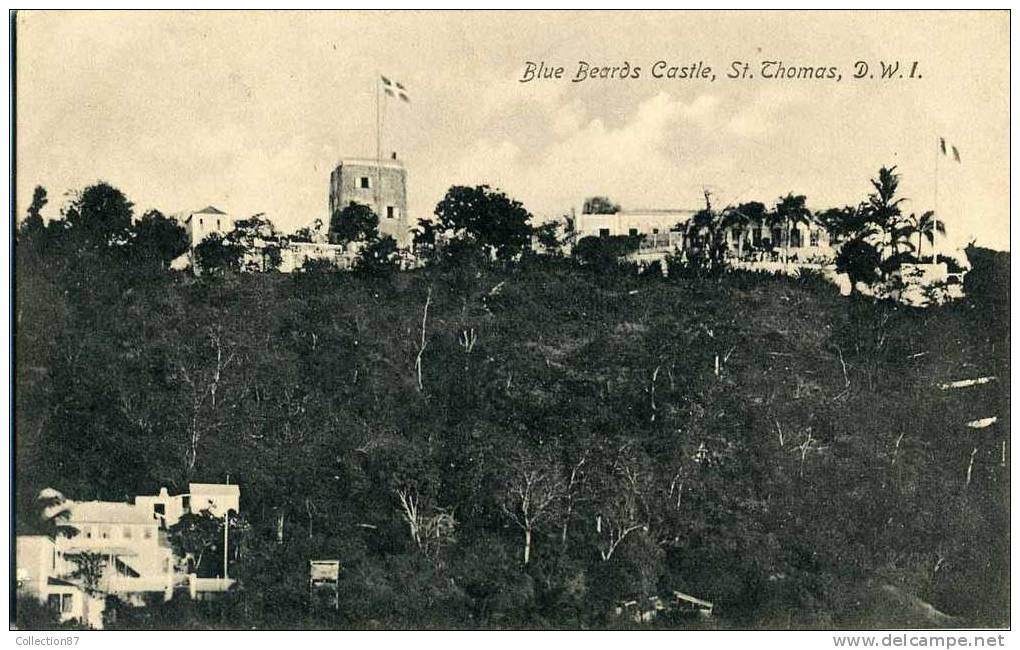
(378, 139)
(935, 235)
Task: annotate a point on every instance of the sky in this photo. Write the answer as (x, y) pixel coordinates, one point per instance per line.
(249, 111)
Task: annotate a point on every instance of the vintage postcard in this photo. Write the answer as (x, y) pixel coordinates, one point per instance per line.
(512, 320)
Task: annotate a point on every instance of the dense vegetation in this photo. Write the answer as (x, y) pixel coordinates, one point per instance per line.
(525, 442)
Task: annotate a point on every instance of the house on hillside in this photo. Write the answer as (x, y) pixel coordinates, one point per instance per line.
(129, 545)
(36, 576)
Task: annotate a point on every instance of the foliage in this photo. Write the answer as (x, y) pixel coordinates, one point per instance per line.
(100, 215)
(88, 570)
(259, 242)
(157, 239)
(378, 257)
(218, 254)
(756, 441)
(33, 224)
(355, 223)
(484, 217)
(602, 254)
(859, 260)
(600, 205)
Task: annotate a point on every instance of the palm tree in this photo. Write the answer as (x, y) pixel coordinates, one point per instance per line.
(926, 226)
(791, 211)
(883, 212)
(739, 218)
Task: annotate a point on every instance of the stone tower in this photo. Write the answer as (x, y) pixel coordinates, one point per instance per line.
(381, 185)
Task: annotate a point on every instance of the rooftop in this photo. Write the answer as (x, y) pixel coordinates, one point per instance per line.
(389, 163)
(109, 512)
(214, 488)
(209, 210)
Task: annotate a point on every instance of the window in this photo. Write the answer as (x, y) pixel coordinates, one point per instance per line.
(816, 236)
(53, 602)
(200, 224)
(603, 232)
(655, 231)
(88, 533)
(127, 532)
(218, 224)
(186, 502)
(795, 238)
(104, 532)
(148, 533)
(391, 212)
(66, 603)
(365, 182)
(159, 509)
(632, 232)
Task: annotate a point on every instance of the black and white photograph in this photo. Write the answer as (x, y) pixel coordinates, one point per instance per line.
(331, 321)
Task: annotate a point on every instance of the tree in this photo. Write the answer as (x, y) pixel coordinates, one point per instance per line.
(600, 205)
(356, 222)
(860, 261)
(100, 215)
(883, 213)
(531, 493)
(426, 239)
(259, 242)
(88, 570)
(33, 222)
(158, 239)
(843, 223)
(217, 254)
(741, 217)
(926, 226)
(195, 534)
(605, 253)
(378, 257)
(790, 212)
(305, 234)
(485, 218)
(548, 239)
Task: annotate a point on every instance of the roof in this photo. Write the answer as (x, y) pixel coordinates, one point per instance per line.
(210, 210)
(113, 551)
(214, 488)
(371, 162)
(109, 512)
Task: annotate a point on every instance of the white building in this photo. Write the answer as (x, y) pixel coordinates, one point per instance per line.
(38, 568)
(654, 224)
(130, 539)
(209, 220)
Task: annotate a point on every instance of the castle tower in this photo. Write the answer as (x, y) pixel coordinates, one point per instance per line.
(381, 185)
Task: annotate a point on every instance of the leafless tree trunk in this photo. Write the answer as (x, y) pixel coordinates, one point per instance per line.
(424, 341)
(570, 496)
(531, 494)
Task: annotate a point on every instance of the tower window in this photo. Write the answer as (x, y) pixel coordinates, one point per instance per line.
(603, 232)
(391, 212)
(365, 182)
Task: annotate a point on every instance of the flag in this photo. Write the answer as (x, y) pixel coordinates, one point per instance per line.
(956, 152)
(394, 89)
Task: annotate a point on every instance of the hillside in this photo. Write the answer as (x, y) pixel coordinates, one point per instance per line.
(760, 442)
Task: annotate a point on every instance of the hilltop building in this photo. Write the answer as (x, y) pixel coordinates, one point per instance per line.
(379, 184)
(209, 220)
